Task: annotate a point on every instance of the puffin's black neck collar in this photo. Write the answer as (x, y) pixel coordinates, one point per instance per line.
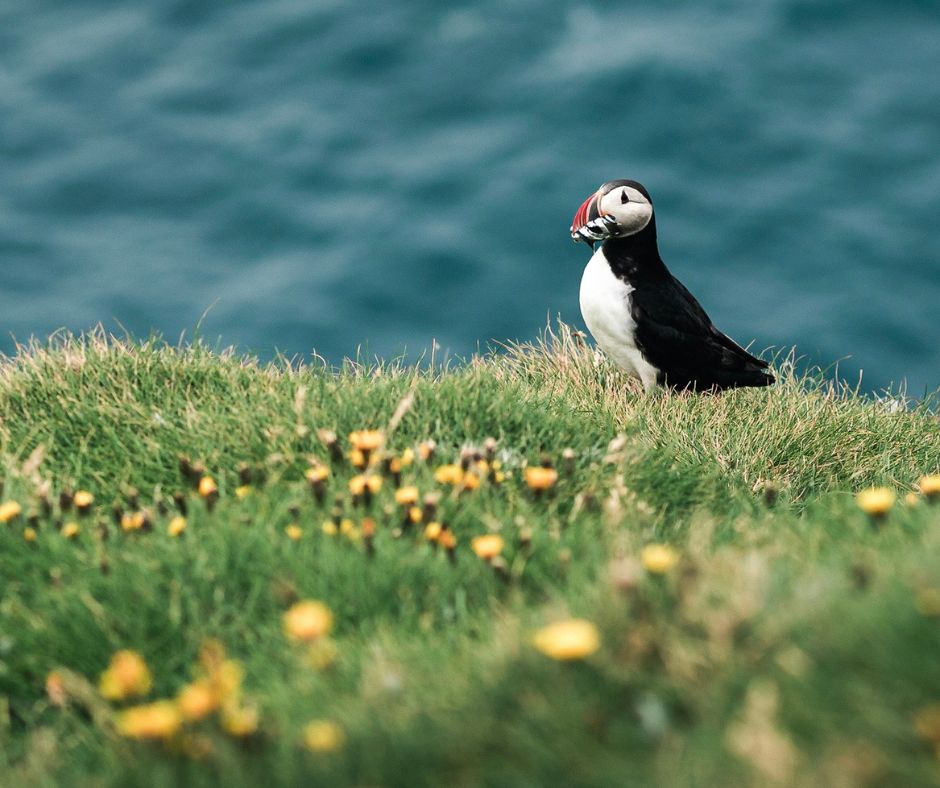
(636, 256)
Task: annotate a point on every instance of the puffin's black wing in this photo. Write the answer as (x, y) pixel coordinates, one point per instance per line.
(677, 337)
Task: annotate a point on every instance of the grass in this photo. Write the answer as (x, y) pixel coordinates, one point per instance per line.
(793, 642)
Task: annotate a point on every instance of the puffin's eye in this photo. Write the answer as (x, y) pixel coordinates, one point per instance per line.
(623, 197)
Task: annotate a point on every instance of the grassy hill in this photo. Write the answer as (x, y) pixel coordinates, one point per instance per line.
(780, 635)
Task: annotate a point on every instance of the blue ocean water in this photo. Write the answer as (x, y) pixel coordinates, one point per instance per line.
(324, 175)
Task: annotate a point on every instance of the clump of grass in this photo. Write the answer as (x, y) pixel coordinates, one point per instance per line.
(525, 567)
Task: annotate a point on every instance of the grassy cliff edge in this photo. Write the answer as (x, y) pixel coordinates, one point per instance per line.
(779, 634)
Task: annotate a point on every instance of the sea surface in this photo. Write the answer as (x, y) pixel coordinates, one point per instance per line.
(370, 178)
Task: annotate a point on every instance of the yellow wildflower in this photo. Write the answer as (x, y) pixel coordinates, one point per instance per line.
(323, 736)
(447, 539)
(488, 546)
(55, 689)
(133, 521)
(347, 527)
(470, 481)
(407, 457)
(70, 530)
(226, 679)
(307, 620)
(83, 500)
(317, 474)
(9, 511)
(539, 478)
(426, 449)
(243, 491)
(367, 440)
(329, 528)
(359, 484)
(876, 501)
(449, 474)
(659, 558)
(29, 534)
(177, 526)
(239, 721)
(415, 514)
(911, 499)
(432, 531)
(294, 531)
(159, 720)
(930, 485)
(572, 639)
(126, 676)
(197, 701)
(208, 487)
(406, 496)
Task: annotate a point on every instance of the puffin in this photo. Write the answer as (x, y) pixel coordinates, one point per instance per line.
(639, 314)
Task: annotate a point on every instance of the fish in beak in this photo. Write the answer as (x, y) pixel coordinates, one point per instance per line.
(588, 226)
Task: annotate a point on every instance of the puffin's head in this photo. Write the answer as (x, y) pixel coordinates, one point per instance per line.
(616, 210)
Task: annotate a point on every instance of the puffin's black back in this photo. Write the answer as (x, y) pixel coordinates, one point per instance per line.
(673, 331)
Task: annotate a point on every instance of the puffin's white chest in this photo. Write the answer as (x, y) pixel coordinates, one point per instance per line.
(605, 307)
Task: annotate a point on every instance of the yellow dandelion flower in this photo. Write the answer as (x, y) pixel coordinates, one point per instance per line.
(432, 531)
(449, 474)
(357, 485)
(415, 514)
(243, 491)
(572, 639)
(9, 511)
(83, 500)
(367, 440)
(374, 483)
(307, 620)
(323, 736)
(406, 496)
(426, 449)
(133, 521)
(177, 526)
(659, 558)
(239, 721)
(911, 499)
(447, 539)
(487, 546)
(159, 720)
(29, 534)
(317, 474)
(226, 679)
(538, 478)
(470, 481)
(329, 528)
(347, 527)
(294, 532)
(876, 501)
(55, 689)
(407, 458)
(357, 459)
(126, 676)
(208, 487)
(197, 701)
(70, 530)
(930, 485)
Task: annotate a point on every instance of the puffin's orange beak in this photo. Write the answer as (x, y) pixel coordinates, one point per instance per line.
(588, 225)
